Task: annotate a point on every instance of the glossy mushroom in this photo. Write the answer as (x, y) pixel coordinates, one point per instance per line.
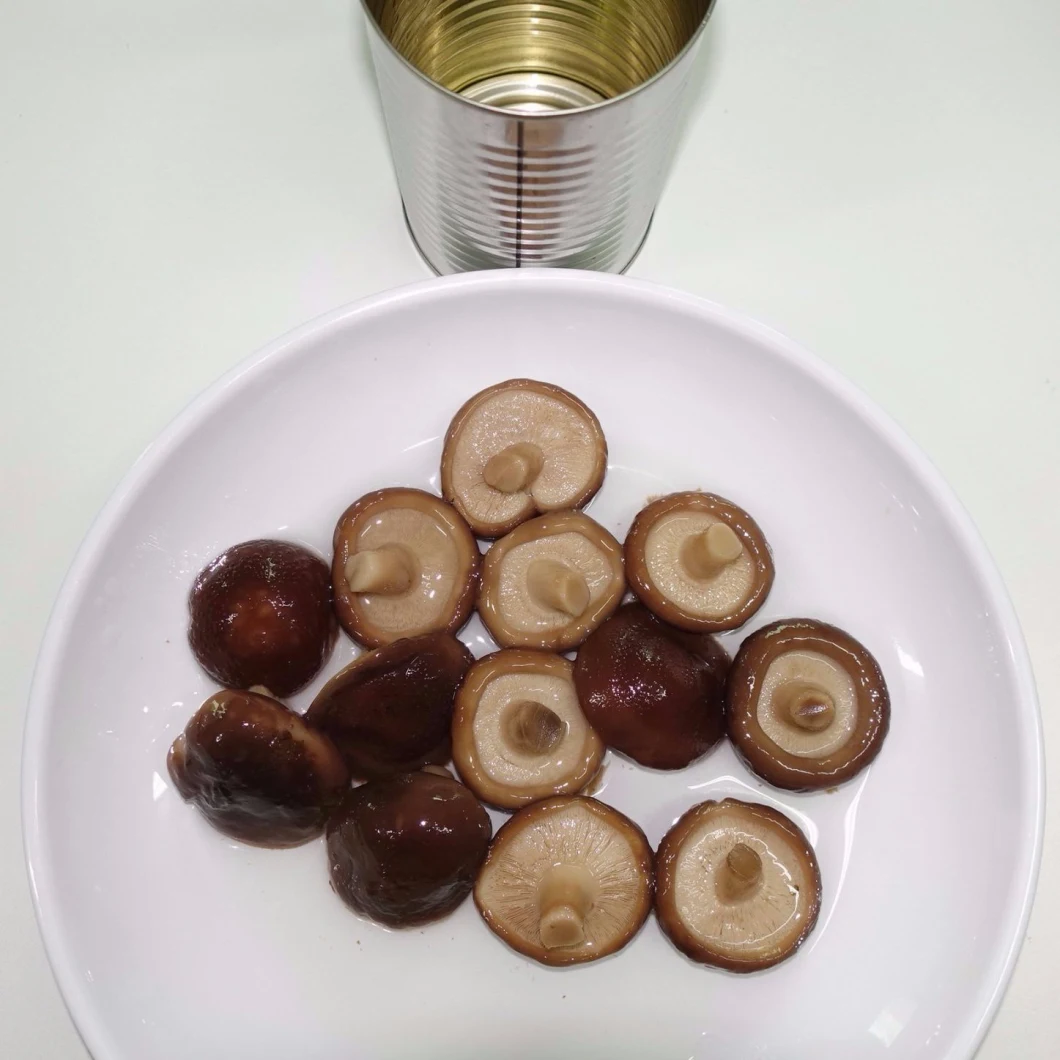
(567, 880)
(390, 710)
(518, 449)
(261, 615)
(737, 885)
(550, 582)
(405, 850)
(807, 705)
(652, 692)
(518, 731)
(698, 561)
(405, 564)
(256, 771)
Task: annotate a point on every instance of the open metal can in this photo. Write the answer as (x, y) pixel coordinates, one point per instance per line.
(533, 132)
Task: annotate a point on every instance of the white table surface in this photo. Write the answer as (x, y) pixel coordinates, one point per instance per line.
(182, 181)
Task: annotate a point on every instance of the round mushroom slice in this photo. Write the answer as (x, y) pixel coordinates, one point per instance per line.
(405, 564)
(566, 880)
(807, 705)
(698, 561)
(518, 731)
(738, 885)
(520, 448)
(550, 582)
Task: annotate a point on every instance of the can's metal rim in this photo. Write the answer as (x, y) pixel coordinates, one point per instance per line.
(532, 116)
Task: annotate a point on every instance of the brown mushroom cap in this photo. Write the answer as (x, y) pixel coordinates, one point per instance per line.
(566, 880)
(390, 710)
(738, 885)
(807, 705)
(698, 561)
(256, 771)
(518, 731)
(520, 448)
(550, 582)
(405, 563)
(652, 692)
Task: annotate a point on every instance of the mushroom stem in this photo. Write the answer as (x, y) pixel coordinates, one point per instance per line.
(532, 728)
(741, 875)
(514, 468)
(384, 570)
(704, 555)
(554, 584)
(565, 897)
(806, 706)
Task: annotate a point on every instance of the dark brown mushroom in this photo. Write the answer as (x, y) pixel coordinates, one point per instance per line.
(518, 449)
(256, 771)
(737, 885)
(390, 710)
(405, 850)
(518, 732)
(650, 691)
(551, 582)
(698, 561)
(567, 880)
(261, 615)
(405, 564)
(807, 705)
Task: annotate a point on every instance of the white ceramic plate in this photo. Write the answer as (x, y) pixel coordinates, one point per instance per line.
(169, 941)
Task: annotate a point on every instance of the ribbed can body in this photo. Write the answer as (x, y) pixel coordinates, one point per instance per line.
(487, 188)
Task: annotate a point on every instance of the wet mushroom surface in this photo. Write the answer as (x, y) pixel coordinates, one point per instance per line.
(389, 711)
(256, 771)
(653, 692)
(567, 880)
(807, 705)
(405, 849)
(737, 885)
(405, 563)
(518, 449)
(550, 582)
(261, 614)
(698, 561)
(519, 733)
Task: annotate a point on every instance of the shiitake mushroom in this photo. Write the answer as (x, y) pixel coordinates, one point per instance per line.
(650, 691)
(405, 849)
(261, 614)
(256, 770)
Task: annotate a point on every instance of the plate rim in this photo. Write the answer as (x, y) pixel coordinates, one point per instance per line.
(91, 1027)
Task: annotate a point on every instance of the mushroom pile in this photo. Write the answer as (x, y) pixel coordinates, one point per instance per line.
(566, 879)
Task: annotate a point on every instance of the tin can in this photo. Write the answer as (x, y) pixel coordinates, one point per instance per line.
(533, 133)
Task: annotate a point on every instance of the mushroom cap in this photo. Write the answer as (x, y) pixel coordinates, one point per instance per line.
(807, 705)
(565, 471)
(572, 855)
(405, 849)
(724, 581)
(560, 545)
(652, 692)
(390, 710)
(435, 550)
(518, 732)
(261, 615)
(737, 885)
(256, 771)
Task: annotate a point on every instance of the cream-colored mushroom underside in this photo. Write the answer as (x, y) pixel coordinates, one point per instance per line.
(499, 760)
(516, 607)
(430, 595)
(807, 668)
(707, 597)
(511, 416)
(756, 925)
(510, 883)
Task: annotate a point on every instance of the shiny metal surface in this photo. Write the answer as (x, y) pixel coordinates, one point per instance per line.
(528, 134)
